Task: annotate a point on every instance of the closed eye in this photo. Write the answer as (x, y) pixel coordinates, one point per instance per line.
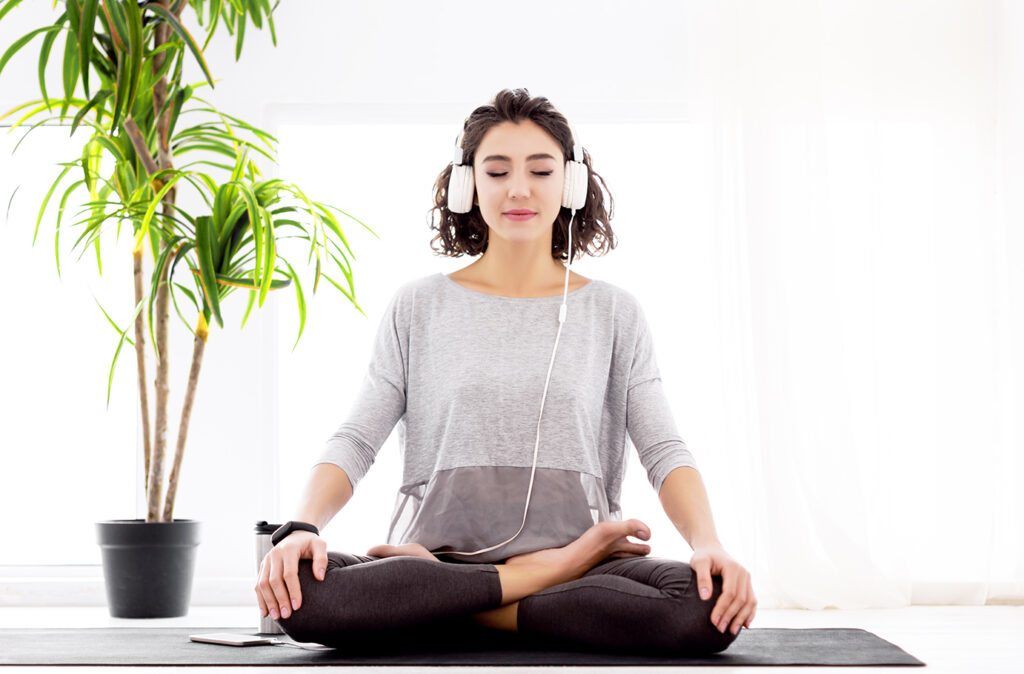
(536, 173)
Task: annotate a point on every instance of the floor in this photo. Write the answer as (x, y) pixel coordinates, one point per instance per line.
(947, 638)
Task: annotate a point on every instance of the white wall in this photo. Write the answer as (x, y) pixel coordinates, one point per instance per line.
(368, 62)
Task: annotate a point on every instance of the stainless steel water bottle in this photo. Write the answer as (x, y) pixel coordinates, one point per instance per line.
(263, 545)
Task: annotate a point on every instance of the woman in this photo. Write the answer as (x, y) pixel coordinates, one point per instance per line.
(458, 364)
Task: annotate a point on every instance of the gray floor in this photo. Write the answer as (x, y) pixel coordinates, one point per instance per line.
(947, 638)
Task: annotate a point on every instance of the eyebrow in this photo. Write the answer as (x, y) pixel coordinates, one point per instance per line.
(501, 157)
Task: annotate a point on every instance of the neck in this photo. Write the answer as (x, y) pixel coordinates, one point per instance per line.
(519, 271)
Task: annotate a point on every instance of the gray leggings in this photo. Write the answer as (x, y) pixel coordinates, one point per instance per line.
(633, 603)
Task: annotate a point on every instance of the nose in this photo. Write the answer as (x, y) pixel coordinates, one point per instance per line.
(518, 187)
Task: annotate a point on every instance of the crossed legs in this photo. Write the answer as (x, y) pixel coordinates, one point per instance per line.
(597, 592)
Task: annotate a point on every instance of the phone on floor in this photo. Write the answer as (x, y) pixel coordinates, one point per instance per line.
(231, 639)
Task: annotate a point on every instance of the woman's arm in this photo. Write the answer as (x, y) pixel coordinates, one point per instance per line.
(686, 503)
(277, 588)
(326, 492)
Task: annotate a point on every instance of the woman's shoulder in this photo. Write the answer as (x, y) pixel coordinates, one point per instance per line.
(620, 298)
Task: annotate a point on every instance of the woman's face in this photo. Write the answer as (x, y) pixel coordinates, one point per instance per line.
(518, 167)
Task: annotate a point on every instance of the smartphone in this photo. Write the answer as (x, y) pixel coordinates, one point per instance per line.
(231, 639)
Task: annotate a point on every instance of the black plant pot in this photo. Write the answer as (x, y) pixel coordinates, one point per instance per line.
(147, 566)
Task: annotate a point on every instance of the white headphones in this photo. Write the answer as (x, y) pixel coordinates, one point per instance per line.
(574, 191)
(574, 196)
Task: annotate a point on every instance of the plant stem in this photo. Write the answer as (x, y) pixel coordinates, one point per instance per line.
(164, 157)
(140, 361)
(198, 345)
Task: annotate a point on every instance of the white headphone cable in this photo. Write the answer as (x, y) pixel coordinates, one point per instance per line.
(536, 447)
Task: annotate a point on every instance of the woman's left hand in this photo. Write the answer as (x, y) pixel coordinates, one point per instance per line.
(737, 603)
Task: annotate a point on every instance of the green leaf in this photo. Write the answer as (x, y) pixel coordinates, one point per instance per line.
(86, 29)
(266, 137)
(269, 256)
(246, 282)
(301, 300)
(240, 37)
(114, 12)
(70, 69)
(109, 319)
(100, 96)
(213, 19)
(184, 34)
(90, 181)
(248, 308)
(144, 228)
(22, 41)
(111, 145)
(120, 92)
(120, 343)
(343, 292)
(136, 49)
(177, 309)
(189, 295)
(176, 249)
(179, 99)
(207, 277)
(44, 53)
(239, 165)
(74, 15)
(270, 20)
(11, 4)
(46, 200)
(254, 12)
(60, 215)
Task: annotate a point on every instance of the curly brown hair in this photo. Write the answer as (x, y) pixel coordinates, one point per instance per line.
(467, 233)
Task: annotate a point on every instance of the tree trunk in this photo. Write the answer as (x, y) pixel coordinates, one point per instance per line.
(140, 360)
(164, 160)
(198, 345)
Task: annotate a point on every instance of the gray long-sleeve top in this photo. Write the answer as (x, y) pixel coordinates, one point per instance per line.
(462, 374)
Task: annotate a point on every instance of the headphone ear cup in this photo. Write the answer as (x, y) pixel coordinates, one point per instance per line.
(460, 189)
(574, 191)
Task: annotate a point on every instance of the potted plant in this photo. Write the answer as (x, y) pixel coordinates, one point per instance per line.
(128, 55)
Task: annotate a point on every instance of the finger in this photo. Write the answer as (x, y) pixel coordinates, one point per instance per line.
(259, 594)
(738, 602)
(751, 608)
(280, 598)
(291, 580)
(320, 560)
(724, 611)
(266, 595)
(702, 567)
(742, 617)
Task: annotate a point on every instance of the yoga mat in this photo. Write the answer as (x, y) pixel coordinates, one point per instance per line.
(171, 646)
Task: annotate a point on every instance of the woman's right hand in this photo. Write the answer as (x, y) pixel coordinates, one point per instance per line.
(277, 588)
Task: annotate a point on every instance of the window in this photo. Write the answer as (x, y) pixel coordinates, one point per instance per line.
(67, 459)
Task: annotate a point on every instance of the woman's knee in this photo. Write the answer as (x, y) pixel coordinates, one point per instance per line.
(696, 632)
(685, 617)
(304, 620)
(307, 622)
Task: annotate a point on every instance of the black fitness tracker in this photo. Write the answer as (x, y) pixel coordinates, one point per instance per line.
(289, 527)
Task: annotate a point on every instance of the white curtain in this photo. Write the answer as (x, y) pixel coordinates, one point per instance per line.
(825, 237)
(865, 251)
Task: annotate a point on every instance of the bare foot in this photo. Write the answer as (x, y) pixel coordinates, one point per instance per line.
(406, 550)
(602, 540)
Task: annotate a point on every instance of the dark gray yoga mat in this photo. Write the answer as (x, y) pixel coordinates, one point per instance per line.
(171, 646)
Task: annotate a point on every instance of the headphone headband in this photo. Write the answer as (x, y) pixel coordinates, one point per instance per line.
(461, 180)
(577, 149)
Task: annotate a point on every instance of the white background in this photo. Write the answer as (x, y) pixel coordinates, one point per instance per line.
(815, 206)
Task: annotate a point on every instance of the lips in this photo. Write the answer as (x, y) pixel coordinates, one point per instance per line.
(520, 211)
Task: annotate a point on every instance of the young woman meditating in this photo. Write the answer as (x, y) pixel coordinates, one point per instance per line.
(513, 382)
